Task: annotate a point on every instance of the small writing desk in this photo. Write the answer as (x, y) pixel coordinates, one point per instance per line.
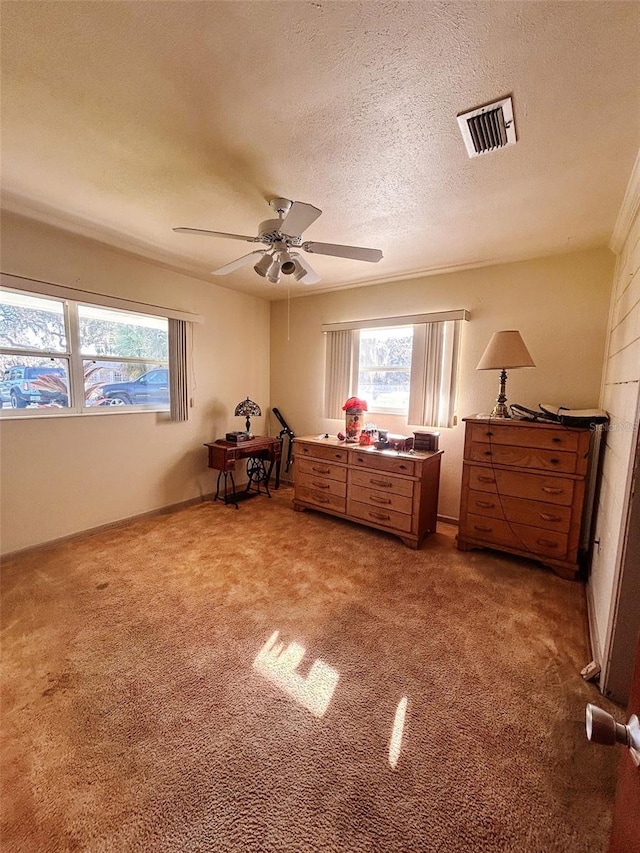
(223, 456)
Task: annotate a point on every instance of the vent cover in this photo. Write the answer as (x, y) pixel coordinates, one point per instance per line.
(488, 128)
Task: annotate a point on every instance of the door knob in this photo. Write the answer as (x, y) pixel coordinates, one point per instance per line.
(602, 728)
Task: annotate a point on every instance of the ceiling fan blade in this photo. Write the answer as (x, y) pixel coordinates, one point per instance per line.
(244, 261)
(300, 216)
(217, 234)
(311, 276)
(358, 253)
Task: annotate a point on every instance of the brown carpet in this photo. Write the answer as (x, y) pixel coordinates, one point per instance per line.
(134, 720)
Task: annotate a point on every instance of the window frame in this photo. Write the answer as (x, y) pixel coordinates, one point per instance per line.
(71, 299)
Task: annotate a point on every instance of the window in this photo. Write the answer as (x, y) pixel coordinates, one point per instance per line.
(401, 365)
(384, 368)
(60, 355)
(124, 358)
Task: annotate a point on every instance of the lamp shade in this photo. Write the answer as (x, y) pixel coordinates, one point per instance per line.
(247, 408)
(505, 351)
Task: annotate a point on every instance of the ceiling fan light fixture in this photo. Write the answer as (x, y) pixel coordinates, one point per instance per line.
(274, 272)
(263, 265)
(285, 260)
(299, 271)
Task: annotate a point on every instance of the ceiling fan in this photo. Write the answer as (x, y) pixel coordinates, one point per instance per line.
(282, 236)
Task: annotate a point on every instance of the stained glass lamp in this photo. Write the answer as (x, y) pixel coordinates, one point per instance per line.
(248, 409)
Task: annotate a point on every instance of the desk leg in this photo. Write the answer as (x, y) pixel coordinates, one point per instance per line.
(225, 497)
(233, 493)
(268, 477)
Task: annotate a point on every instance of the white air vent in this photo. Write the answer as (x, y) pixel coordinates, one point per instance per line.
(488, 128)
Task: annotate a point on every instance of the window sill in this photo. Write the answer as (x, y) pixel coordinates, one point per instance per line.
(98, 411)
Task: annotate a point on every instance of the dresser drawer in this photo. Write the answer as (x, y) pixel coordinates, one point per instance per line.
(521, 537)
(318, 468)
(321, 484)
(381, 499)
(323, 500)
(379, 515)
(519, 510)
(559, 438)
(319, 451)
(522, 457)
(553, 490)
(383, 482)
(379, 461)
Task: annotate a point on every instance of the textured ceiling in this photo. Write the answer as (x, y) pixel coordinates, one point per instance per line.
(122, 120)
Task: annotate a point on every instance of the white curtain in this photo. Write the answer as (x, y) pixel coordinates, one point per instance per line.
(178, 384)
(339, 359)
(434, 367)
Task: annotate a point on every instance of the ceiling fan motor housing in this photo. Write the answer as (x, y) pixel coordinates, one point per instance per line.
(269, 232)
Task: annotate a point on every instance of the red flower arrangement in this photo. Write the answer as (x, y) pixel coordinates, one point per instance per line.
(355, 403)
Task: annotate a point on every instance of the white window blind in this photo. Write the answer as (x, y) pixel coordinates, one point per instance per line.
(339, 356)
(434, 368)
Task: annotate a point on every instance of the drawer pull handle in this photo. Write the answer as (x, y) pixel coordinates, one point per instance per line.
(402, 467)
(488, 453)
(485, 504)
(320, 485)
(556, 439)
(488, 432)
(383, 483)
(338, 456)
(305, 449)
(547, 543)
(321, 470)
(554, 461)
(483, 529)
(380, 516)
(377, 500)
(546, 517)
(552, 490)
(322, 499)
(482, 479)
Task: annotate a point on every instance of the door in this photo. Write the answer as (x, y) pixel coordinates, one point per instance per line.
(625, 835)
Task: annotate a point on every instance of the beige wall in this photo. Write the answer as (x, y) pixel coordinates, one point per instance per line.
(63, 475)
(66, 474)
(559, 304)
(614, 623)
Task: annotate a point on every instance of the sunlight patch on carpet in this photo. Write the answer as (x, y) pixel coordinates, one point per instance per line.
(278, 664)
(395, 744)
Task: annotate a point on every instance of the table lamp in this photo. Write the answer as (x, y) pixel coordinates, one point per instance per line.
(247, 409)
(505, 351)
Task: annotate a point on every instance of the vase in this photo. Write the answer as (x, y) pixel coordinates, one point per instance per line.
(353, 425)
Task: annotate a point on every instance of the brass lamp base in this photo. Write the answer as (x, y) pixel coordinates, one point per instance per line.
(500, 409)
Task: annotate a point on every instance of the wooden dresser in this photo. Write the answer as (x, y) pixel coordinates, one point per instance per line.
(523, 490)
(396, 492)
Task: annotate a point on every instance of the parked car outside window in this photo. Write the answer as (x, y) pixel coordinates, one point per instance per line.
(20, 387)
(152, 388)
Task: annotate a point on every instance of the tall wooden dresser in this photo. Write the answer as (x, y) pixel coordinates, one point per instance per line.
(523, 490)
(395, 492)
